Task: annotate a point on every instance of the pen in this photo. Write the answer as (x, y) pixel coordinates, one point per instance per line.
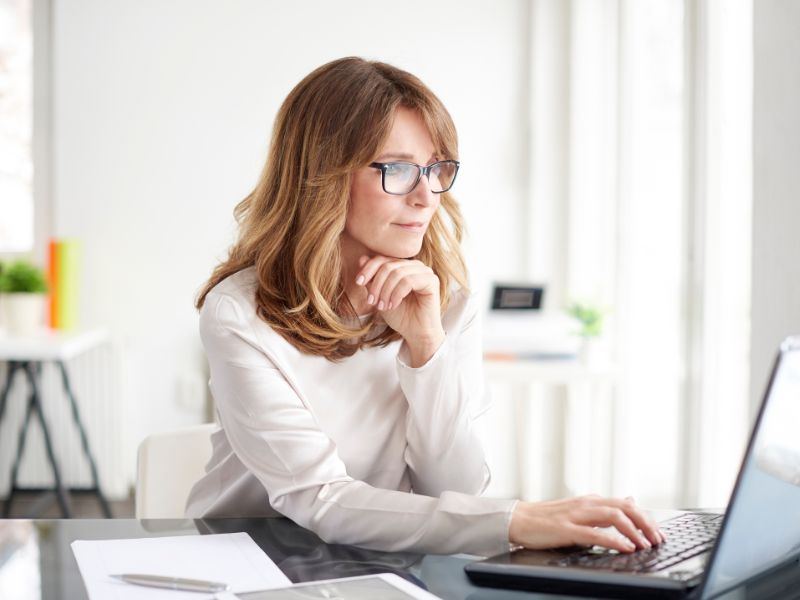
(172, 583)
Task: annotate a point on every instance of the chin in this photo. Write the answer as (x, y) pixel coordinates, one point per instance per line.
(400, 250)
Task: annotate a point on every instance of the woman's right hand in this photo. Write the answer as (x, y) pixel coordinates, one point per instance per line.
(575, 521)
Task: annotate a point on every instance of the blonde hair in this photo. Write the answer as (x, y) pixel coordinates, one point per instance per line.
(333, 122)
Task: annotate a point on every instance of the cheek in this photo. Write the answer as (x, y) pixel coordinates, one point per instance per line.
(364, 218)
(368, 210)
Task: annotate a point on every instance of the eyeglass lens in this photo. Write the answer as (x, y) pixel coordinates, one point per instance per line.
(401, 178)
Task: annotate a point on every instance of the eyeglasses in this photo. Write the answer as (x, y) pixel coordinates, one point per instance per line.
(400, 178)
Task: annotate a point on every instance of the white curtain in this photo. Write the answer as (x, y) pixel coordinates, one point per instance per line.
(639, 202)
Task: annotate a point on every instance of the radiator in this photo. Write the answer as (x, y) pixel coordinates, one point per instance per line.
(96, 380)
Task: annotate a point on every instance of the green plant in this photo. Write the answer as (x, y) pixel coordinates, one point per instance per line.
(591, 319)
(22, 277)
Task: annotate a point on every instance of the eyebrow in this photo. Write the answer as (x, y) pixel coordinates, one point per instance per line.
(401, 155)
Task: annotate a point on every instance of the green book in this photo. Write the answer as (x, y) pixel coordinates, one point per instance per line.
(68, 257)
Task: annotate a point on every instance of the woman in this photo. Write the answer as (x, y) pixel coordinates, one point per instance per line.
(344, 346)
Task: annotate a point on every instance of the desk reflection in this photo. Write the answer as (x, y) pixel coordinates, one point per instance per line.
(36, 561)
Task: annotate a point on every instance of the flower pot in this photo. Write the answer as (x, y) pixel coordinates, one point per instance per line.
(24, 313)
(593, 352)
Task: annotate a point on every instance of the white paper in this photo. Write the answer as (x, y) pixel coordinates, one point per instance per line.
(232, 558)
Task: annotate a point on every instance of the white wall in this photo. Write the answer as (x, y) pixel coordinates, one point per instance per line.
(776, 183)
(162, 112)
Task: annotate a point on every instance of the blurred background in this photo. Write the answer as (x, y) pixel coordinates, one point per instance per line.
(635, 157)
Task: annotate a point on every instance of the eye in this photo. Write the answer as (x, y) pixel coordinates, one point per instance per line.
(393, 169)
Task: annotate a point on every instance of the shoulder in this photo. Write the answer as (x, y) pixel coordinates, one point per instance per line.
(230, 305)
(240, 286)
(229, 318)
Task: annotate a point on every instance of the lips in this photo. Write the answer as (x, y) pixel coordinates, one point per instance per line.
(413, 226)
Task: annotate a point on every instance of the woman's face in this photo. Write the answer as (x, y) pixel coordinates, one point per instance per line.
(385, 224)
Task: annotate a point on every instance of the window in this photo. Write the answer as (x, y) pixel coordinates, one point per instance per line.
(16, 126)
(640, 201)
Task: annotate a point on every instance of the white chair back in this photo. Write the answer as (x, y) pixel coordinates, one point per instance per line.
(168, 466)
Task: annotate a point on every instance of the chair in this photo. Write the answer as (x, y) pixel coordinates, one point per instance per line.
(168, 466)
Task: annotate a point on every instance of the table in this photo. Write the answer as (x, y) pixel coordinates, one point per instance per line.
(26, 355)
(571, 430)
(555, 372)
(299, 553)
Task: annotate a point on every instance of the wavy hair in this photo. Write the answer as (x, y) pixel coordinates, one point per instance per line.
(332, 123)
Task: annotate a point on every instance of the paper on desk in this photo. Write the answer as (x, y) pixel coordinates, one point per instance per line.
(232, 558)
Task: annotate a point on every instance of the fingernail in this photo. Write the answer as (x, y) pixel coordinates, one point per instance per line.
(380, 305)
(371, 299)
(390, 306)
(360, 280)
(630, 545)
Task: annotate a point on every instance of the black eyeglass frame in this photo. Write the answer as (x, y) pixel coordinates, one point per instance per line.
(382, 166)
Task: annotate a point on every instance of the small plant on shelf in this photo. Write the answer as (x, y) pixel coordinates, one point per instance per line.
(21, 277)
(23, 287)
(590, 317)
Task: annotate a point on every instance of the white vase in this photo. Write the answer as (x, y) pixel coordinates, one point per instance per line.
(593, 352)
(24, 313)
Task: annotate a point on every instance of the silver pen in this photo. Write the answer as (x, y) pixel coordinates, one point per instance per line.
(172, 583)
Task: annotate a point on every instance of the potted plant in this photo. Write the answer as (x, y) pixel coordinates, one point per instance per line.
(24, 290)
(591, 326)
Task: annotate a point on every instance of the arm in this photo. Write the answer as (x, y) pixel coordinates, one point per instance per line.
(445, 397)
(276, 437)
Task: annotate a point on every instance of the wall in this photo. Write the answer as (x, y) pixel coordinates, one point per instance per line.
(161, 116)
(776, 184)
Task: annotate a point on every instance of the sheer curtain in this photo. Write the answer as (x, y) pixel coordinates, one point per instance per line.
(640, 204)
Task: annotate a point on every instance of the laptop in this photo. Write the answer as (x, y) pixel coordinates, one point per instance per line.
(705, 554)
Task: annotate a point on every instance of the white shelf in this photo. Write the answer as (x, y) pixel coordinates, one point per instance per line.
(49, 344)
(556, 372)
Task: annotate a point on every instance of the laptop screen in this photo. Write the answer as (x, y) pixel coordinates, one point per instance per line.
(762, 527)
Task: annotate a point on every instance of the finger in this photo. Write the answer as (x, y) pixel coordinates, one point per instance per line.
(640, 518)
(400, 292)
(422, 281)
(368, 270)
(597, 537)
(376, 284)
(417, 278)
(604, 516)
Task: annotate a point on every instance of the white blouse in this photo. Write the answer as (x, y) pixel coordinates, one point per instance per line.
(365, 451)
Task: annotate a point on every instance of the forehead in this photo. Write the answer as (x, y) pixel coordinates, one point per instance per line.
(409, 138)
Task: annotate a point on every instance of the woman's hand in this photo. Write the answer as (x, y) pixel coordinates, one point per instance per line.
(406, 292)
(574, 521)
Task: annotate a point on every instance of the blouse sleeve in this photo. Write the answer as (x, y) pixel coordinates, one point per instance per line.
(277, 438)
(445, 396)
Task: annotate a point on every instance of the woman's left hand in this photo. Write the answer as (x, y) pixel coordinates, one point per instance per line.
(406, 293)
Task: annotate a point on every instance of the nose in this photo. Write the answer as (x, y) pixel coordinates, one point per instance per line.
(422, 196)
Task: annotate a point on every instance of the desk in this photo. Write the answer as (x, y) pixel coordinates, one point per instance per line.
(299, 553)
(26, 355)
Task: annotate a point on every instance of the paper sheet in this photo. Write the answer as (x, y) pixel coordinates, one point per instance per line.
(232, 558)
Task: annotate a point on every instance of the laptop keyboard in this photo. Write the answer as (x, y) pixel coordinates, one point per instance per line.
(687, 536)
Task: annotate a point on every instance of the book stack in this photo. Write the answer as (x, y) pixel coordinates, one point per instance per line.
(63, 275)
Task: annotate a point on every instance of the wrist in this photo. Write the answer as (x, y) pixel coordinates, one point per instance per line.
(421, 349)
(517, 524)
